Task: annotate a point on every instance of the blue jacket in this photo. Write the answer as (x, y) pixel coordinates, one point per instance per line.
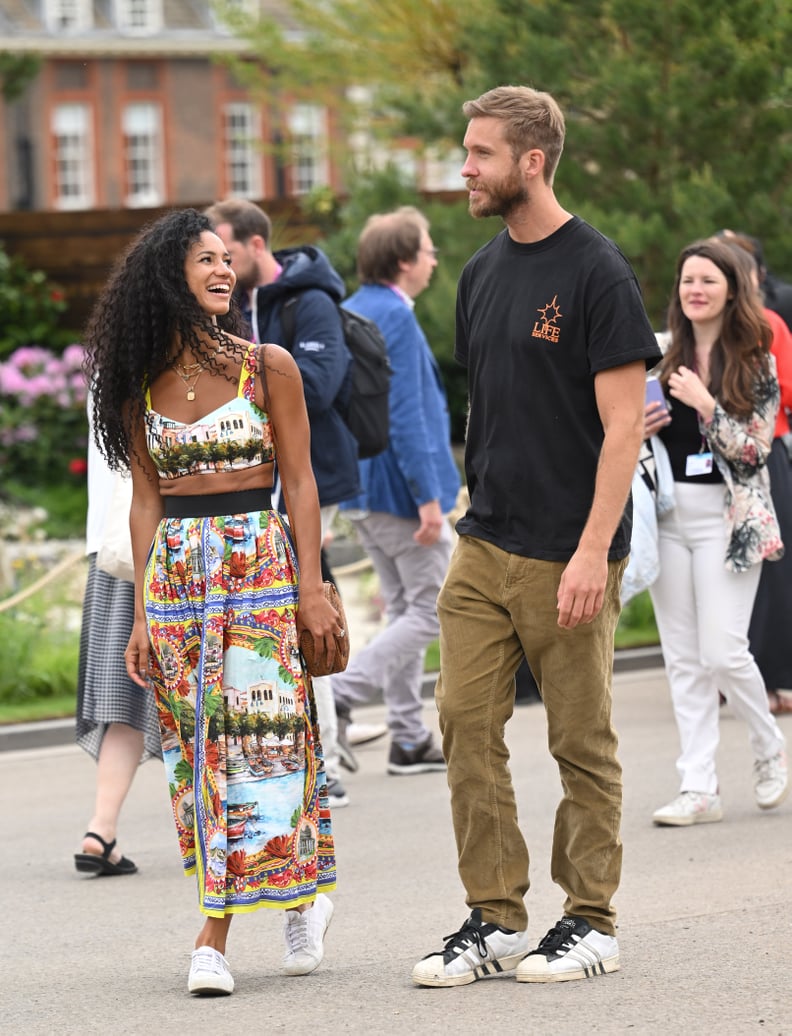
(418, 464)
(323, 358)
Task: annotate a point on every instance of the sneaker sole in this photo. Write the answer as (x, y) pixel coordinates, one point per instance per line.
(207, 987)
(776, 801)
(403, 771)
(603, 967)
(366, 739)
(489, 969)
(711, 817)
(209, 991)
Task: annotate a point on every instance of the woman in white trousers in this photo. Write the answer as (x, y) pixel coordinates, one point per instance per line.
(720, 377)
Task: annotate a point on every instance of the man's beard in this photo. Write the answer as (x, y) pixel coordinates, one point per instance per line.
(501, 199)
(247, 279)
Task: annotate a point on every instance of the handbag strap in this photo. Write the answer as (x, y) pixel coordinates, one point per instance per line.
(262, 369)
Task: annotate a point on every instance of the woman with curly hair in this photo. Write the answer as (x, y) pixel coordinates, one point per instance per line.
(190, 407)
(721, 378)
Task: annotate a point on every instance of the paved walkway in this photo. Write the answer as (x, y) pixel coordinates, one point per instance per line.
(705, 936)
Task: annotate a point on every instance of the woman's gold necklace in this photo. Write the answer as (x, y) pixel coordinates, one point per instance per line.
(189, 374)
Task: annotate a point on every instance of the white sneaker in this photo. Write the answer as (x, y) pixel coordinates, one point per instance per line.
(771, 781)
(336, 793)
(478, 950)
(689, 807)
(209, 973)
(304, 935)
(363, 733)
(570, 950)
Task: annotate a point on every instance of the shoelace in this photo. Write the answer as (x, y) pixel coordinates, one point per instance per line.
(297, 934)
(562, 933)
(768, 769)
(468, 935)
(208, 961)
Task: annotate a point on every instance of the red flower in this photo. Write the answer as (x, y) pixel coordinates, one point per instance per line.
(235, 862)
(78, 466)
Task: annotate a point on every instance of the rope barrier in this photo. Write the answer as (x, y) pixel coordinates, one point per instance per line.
(54, 573)
(351, 569)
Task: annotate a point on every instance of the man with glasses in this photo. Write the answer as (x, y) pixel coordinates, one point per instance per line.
(406, 492)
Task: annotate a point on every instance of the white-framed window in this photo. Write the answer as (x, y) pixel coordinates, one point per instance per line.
(308, 141)
(68, 15)
(73, 150)
(143, 17)
(241, 154)
(142, 132)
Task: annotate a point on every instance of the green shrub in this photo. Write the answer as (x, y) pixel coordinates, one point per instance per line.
(31, 307)
(54, 511)
(637, 627)
(41, 648)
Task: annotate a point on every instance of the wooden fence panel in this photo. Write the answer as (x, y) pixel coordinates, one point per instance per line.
(76, 250)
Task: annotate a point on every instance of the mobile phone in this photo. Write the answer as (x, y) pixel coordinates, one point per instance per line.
(654, 392)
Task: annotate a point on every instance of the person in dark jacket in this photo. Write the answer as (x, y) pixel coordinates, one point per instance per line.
(304, 279)
(777, 293)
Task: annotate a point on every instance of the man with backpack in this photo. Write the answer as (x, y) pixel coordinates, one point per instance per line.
(302, 281)
(407, 490)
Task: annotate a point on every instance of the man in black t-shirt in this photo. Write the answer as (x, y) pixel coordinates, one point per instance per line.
(553, 332)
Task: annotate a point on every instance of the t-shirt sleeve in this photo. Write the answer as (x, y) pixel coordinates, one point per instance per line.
(618, 330)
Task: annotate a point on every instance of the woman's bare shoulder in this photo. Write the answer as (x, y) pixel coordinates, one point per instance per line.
(278, 359)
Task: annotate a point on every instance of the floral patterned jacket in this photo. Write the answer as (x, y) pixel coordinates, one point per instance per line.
(740, 447)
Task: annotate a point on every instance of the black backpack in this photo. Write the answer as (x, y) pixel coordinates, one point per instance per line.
(366, 412)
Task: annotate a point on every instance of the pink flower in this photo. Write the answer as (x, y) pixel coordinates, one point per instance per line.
(73, 356)
(29, 356)
(78, 466)
(11, 381)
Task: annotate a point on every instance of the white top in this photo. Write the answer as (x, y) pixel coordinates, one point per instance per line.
(100, 489)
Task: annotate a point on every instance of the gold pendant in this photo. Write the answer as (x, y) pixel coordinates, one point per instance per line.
(191, 395)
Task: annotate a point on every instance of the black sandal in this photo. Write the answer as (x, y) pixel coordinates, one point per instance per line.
(90, 863)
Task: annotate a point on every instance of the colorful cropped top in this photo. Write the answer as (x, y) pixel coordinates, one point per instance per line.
(234, 436)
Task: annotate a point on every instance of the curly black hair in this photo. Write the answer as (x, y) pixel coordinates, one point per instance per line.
(144, 306)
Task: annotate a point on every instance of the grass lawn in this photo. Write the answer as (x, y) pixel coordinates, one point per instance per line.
(60, 706)
(40, 681)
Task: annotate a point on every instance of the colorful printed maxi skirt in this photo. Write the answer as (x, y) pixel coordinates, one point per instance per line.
(237, 717)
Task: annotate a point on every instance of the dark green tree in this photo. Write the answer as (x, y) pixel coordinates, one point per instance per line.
(16, 71)
(678, 113)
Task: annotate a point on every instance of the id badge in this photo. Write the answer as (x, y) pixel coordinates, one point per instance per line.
(698, 464)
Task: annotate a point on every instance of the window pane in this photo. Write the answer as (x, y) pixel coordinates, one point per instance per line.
(241, 133)
(72, 156)
(306, 123)
(142, 155)
(65, 15)
(139, 15)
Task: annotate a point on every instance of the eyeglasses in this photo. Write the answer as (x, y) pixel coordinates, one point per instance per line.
(434, 252)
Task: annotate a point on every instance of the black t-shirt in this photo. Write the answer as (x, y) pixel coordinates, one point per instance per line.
(535, 323)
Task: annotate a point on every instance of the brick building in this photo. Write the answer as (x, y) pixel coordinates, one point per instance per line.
(133, 107)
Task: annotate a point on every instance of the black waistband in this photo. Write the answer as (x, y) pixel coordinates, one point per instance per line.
(212, 504)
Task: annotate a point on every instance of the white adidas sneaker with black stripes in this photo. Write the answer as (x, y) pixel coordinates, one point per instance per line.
(478, 950)
(571, 949)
